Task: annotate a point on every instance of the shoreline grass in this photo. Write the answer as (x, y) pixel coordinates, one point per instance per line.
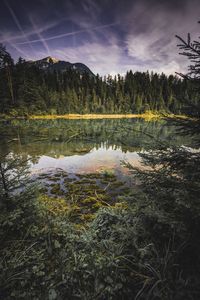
(148, 115)
(96, 116)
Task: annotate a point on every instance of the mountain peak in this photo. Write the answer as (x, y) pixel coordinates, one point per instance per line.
(50, 63)
(50, 59)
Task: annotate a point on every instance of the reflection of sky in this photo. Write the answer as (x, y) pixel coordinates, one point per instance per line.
(95, 160)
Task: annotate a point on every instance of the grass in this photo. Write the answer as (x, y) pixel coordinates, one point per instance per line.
(146, 115)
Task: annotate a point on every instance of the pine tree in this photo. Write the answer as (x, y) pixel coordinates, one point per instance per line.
(169, 202)
(6, 64)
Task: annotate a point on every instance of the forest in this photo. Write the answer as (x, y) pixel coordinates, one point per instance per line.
(26, 89)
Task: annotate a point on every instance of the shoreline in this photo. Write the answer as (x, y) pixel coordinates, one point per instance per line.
(96, 116)
(147, 116)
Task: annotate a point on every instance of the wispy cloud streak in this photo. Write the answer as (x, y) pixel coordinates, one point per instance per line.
(20, 51)
(108, 36)
(41, 29)
(42, 40)
(16, 21)
(69, 33)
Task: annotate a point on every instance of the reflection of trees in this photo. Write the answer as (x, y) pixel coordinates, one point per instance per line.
(70, 137)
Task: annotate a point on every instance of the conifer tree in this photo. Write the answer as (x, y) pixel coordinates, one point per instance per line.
(170, 188)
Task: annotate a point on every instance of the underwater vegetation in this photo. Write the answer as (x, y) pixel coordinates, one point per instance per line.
(79, 196)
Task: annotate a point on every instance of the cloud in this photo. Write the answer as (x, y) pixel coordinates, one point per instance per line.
(8, 36)
(101, 59)
(110, 36)
(19, 50)
(150, 38)
(42, 40)
(66, 34)
(17, 22)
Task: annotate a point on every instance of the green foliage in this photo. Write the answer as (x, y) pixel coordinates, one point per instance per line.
(124, 252)
(26, 89)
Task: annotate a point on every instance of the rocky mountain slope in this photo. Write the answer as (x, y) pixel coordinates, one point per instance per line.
(50, 64)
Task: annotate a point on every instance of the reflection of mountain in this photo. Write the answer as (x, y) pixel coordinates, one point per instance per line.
(60, 150)
(54, 150)
(77, 137)
(90, 162)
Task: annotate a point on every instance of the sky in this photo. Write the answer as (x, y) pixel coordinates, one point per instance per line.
(109, 36)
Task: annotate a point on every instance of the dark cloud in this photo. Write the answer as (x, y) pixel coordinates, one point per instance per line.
(110, 36)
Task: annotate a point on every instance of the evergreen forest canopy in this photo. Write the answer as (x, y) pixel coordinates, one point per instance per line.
(27, 89)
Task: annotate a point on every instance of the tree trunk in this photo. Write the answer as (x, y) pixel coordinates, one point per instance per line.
(3, 180)
(10, 84)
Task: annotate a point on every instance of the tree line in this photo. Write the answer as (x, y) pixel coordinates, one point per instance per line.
(26, 89)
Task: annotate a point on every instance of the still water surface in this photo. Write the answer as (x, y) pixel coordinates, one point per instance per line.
(84, 146)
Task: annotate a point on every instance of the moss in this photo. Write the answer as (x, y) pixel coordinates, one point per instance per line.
(116, 184)
(85, 181)
(64, 175)
(51, 178)
(107, 180)
(87, 217)
(75, 207)
(91, 187)
(105, 197)
(67, 180)
(98, 204)
(81, 188)
(79, 227)
(89, 200)
(57, 175)
(74, 213)
(43, 175)
(43, 190)
(92, 175)
(52, 205)
(73, 188)
(56, 190)
(122, 205)
(85, 194)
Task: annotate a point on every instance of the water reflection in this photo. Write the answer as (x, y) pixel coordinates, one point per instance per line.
(84, 145)
(95, 161)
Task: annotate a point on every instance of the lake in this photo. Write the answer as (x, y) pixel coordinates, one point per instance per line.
(85, 146)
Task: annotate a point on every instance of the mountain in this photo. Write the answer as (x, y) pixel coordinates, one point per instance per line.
(52, 64)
